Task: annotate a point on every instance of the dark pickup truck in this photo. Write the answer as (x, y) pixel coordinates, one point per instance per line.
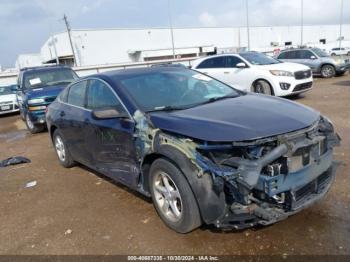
(37, 88)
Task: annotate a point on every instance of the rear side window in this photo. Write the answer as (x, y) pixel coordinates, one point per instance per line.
(63, 96)
(100, 95)
(216, 62)
(76, 95)
(284, 55)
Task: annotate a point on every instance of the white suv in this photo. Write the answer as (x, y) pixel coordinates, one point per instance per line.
(339, 51)
(256, 72)
(8, 100)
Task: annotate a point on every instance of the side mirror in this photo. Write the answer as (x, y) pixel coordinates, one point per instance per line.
(241, 65)
(313, 57)
(108, 113)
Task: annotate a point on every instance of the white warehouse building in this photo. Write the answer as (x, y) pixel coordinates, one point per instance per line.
(115, 46)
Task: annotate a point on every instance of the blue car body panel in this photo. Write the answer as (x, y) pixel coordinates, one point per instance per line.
(247, 117)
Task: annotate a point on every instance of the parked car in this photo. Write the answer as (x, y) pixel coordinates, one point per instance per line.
(339, 51)
(202, 150)
(256, 72)
(319, 61)
(8, 100)
(37, 88)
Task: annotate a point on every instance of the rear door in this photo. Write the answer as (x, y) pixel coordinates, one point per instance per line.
(213, 66)
(110, 142)
(71, 123)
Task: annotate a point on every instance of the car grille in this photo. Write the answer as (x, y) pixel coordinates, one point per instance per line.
(313, 187)
(6, 103)
(9, 109)
(302, 74)
(303, 86)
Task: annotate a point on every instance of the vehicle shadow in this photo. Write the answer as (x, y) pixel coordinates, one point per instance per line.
(343, 83)
(116, 183)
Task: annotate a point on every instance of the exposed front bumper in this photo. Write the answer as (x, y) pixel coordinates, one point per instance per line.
(295, 86)
(265, 213)
(37, 117)
(8, 108)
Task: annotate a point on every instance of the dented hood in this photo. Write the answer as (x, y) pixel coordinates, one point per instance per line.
(244, 118)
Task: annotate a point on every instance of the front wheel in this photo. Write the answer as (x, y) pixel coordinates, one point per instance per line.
(173, 198)
(262, 87)
(33, 128)
(328, 71)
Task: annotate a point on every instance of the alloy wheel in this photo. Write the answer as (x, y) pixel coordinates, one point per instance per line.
(60, 148)
(262, 87)
(167, 197)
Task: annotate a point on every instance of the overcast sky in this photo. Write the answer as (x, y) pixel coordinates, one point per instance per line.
(26, 24)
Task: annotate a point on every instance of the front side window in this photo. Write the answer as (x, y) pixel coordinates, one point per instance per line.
(232, 61)
(100, 95)
(76, 94)
(47, 78)
(259, 59)
(305, 54)
(174, 89)
(216, 62)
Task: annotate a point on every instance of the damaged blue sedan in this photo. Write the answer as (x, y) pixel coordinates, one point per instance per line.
(204, 152)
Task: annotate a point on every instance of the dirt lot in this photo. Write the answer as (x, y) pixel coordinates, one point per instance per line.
(75, 211)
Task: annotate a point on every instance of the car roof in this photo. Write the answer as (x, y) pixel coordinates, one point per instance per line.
(43, 68)
(122, 73)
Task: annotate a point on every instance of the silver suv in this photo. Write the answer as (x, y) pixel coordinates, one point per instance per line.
(319, 61)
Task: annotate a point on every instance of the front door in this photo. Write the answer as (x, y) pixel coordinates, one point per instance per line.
(110, 142)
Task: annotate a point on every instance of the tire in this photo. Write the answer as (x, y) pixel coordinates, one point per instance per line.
(61, 149)
(22, 115)
(328, 71)
(173, 198)
(262, 87)
(33, 128)
(333, 54)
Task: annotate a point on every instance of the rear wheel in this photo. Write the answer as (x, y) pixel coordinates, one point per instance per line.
(173, 198)
(33, 128)
(328, 71)
(262, 87)
(62, 152)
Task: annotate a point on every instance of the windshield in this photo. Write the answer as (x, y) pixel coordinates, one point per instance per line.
(48, 78)
(320, 52)
(259, 59)
(175, 89)
(7, 90)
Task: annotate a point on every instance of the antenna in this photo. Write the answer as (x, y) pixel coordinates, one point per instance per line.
(70, 38)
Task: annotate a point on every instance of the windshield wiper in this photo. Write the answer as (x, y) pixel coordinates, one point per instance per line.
(168, 108)
(174, 108)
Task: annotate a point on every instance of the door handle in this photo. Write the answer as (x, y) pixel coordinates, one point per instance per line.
(226, 72)
(62, 114)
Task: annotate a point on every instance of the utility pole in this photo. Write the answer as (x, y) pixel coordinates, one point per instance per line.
(248, 29)
(302, 24)
(70, 38)
(341, 22)
(171, 28)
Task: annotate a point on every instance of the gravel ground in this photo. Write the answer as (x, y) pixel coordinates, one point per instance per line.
(76, 211)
